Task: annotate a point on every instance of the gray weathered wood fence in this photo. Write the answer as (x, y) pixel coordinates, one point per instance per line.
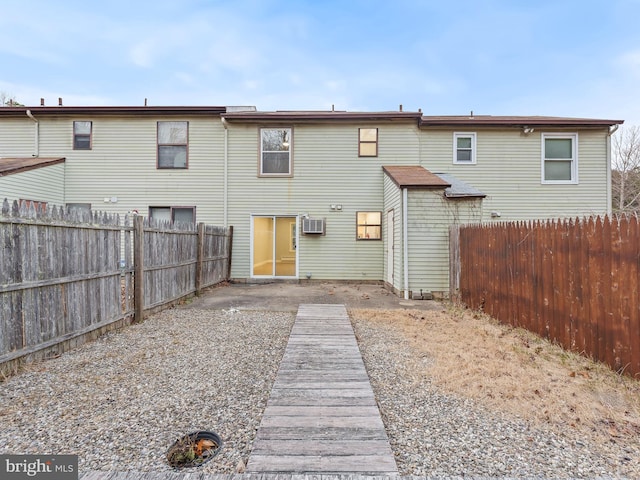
(68, 277)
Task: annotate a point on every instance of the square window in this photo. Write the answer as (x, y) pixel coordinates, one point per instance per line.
(368, 142)
(464, 148)
(173, 144)
(275, 152)
(559, 158)
(80, 208)
(369, 225)
(37, 205)
(82, 135)
(173, 214)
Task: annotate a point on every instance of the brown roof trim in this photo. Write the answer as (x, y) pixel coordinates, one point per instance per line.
(514, 121)
(315, 116)
(414, 176)
(9, 166)
(140, 110)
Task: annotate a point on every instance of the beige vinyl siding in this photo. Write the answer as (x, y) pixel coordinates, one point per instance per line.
(122, 164)
(44, 184)
(508, 171)
(17, 137)
(429, 216)
(326, 170)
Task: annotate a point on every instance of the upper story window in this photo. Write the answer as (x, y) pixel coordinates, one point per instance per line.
(464, 148)
(369, 225)
(82, 135)
(368, 142)
(173, 144)
(559, 158)
(275, 152)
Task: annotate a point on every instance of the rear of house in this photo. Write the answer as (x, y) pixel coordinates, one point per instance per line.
(331, 195)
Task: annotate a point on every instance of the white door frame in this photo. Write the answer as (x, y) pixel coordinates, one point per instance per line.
(296, 247)
(390, 248)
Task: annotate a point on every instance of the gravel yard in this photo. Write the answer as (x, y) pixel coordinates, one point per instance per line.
(119, 403)
(443, 433)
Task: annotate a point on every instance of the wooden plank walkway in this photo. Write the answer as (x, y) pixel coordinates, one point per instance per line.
(321, 417)
(195, 475)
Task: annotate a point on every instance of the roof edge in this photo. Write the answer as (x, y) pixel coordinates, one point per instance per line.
(109, 110)
(25, 164)
(417, 178)
(514, 121)
(321, 115)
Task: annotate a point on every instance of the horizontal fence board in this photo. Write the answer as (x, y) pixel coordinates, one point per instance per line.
(574, 282)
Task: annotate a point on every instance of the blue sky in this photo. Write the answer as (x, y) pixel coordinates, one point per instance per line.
(498, 57)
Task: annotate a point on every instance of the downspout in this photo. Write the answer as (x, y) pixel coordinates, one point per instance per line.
(225, 181)
(37, 134)
(405, 241)
(612, 130)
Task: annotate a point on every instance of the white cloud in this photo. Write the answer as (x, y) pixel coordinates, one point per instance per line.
(251, 84)
(629, 62)
(334, 85)
(142, 54)
(185, 78)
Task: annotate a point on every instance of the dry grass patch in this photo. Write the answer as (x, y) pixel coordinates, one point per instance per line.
(515, 371)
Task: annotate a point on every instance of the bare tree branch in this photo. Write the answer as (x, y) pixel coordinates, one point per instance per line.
(7, 100)
(626, 170)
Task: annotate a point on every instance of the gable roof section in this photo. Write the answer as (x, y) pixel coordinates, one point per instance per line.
(414, 176)
(10, 166)
(514, 121)
(458, 188)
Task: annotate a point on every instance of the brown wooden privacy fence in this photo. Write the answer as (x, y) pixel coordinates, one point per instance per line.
(69, 277)
(574, 282)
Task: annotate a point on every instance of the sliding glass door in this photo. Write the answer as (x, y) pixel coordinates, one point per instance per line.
(274, 246)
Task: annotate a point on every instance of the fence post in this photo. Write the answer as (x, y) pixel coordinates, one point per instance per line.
(138, 267)
(200, 257)
(230, 244)
(454, 263)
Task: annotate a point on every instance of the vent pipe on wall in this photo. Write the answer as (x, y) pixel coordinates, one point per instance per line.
(612, 130)
(225, 173)
(405, 240)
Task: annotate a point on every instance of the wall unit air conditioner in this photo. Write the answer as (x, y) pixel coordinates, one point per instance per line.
(313, 226)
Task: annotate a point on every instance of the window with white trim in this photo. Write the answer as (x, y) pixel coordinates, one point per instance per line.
(275, 152)
(560, 158)
(464, 148)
